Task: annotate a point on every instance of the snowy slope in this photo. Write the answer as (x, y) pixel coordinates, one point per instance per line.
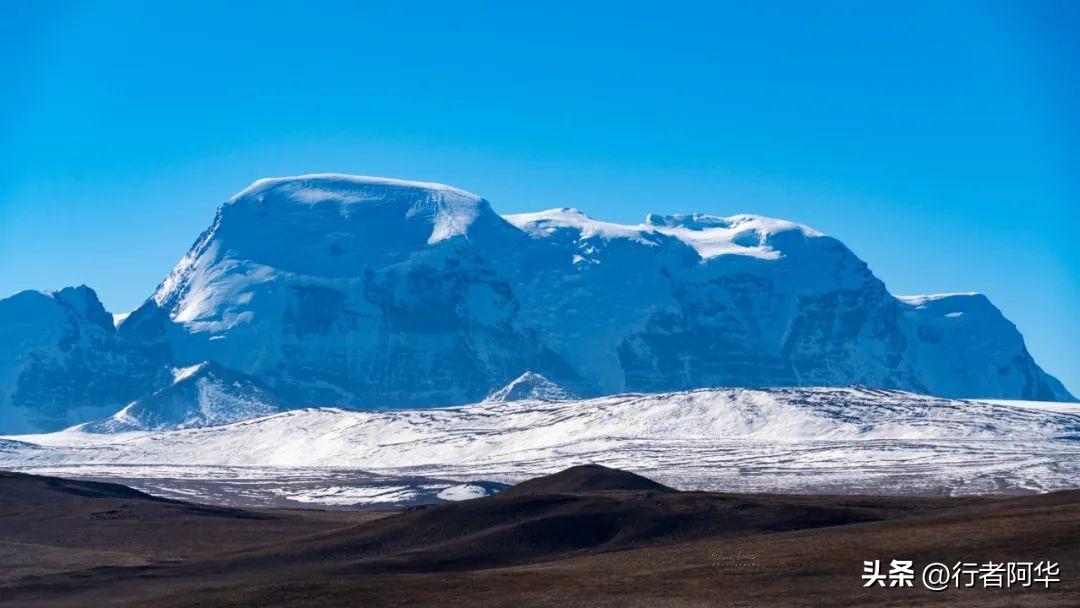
(201, 395)
(779, 439)
(531, 386)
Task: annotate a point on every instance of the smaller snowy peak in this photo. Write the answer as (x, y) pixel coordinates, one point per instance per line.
(530, 386)
(80, 301)
(201, 395)
(968, 327)
(180, 374)
(31, 306)
(84, 301)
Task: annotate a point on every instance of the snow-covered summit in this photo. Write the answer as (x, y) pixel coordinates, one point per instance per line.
(30, 306)
(200, 395)
(62, 361)
(339, 185)
(530, 386)
(402, 206)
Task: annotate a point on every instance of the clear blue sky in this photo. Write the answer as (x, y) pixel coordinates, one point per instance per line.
(939, 140)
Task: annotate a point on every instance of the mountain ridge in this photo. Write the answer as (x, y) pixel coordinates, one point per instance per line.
(370, 293)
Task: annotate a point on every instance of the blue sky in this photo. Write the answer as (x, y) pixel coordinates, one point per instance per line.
(939, 140)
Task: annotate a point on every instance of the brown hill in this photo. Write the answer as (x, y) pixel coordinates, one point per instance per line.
(587, 536)
(586, 478)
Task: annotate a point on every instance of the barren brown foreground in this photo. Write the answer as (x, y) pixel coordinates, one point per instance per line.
(588, 536)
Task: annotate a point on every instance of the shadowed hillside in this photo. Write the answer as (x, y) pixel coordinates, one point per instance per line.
(588, 535)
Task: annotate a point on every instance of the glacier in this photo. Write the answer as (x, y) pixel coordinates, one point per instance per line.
(370, 293)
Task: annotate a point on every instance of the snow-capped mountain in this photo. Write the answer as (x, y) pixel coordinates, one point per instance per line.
(348, 291)
(62, 361)
(365, 292)
(201, 395)
(531, 386)
(370, 293)
(795, 439)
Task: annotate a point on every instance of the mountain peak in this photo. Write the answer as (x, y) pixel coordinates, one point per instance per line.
(531, 386)
(80, 301)
(205, 394)
(440, 211)
(322, 226)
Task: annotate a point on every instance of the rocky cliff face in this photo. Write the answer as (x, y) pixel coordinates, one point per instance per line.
(366, 293)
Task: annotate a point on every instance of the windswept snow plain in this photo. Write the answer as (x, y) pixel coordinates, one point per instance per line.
(849, 440)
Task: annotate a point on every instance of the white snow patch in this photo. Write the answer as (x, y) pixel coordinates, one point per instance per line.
(350, 495)
(463, 491)
(919, 300)
(179, 374)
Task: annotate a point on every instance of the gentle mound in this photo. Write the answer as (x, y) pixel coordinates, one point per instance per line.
(581, 510)
(586, 478)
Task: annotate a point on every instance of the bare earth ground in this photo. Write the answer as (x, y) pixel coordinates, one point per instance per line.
(588, 536)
